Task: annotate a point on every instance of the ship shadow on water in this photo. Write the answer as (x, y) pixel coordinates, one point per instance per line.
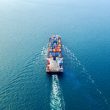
(59, 74)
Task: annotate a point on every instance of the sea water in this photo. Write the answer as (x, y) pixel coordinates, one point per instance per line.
(25, 27)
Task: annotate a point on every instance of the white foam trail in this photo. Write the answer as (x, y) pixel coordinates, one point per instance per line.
(56, 98)
(44, 52)
(77, 63)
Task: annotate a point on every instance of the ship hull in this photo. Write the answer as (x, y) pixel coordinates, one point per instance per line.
(54, 57)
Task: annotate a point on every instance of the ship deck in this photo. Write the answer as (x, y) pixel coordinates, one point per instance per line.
(54, 57)
(54, 66)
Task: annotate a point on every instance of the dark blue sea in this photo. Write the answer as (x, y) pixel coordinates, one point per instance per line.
(25, 27)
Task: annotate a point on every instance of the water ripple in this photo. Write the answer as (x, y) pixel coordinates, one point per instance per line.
(76, 64)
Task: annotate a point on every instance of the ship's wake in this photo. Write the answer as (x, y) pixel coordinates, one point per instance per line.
(56, 98)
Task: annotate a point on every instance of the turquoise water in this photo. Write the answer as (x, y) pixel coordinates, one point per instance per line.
(25, 26)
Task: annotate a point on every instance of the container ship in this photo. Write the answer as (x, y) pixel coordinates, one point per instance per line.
(54, 57)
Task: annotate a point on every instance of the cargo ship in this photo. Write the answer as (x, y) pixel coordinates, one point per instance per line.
(54, 56)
